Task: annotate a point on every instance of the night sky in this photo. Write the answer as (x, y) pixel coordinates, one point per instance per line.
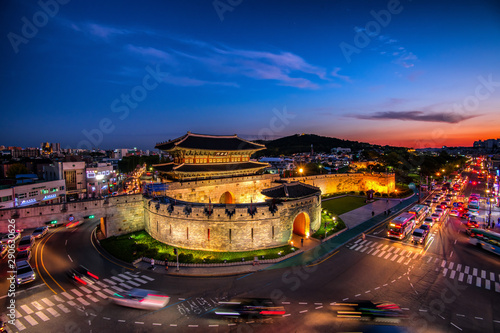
(123, 74)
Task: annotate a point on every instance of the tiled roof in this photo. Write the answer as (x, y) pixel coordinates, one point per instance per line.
(209, 167)
(291, 190)
(210, 142)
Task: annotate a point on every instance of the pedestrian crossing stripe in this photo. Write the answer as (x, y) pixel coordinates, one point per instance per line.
(31, 314)
(450, 269)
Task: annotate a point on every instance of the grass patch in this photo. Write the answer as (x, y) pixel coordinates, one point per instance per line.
(331, 226)
(140, 244)
(342, 205)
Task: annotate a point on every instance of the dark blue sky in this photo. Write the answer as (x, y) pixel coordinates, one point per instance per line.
(127, 73)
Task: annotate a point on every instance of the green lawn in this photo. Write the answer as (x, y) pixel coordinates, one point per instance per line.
(331, 226)
(140, 244)
(343, 205)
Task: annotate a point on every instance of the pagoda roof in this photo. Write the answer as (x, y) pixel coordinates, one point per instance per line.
(209, 167)
(209, 142)
(293, 190)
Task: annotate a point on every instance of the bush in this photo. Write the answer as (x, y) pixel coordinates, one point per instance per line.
(377, 194)
(352, 192)
(150, 253)
(384, 195)
(187, 258)
(361, 192)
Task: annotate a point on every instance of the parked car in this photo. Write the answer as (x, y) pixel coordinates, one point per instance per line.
(23, 256)
(26, 243)
(24, 273)
(40, 232)
(6, 237)
(3, 250)
(141, 299)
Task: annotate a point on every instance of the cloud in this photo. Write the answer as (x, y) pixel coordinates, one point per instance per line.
(150, 52)
(98, 30)
(439, 117)
(335, 73)
(185, 81)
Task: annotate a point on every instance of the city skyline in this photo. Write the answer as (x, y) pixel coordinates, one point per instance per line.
(415, 74)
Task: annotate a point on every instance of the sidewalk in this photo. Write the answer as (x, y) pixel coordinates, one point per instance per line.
(360, 220)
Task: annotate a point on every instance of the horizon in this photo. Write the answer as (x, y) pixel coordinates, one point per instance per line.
(395, 73)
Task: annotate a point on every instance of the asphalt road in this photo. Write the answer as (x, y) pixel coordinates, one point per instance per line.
(447, 286)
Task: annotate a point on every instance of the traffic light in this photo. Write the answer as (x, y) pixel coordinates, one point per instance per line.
(175, 251)
(89, 217)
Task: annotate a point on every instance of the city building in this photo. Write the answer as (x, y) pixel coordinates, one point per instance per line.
(73, 173)
(100, 179)
(33, 193)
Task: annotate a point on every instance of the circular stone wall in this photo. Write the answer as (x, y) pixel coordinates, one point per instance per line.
(219, 227)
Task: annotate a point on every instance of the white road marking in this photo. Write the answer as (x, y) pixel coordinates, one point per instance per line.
(106, 318)
(53, 312)
(210, 325)
(121, 320)
(302, 303)
(63, 308)
(285, 302)
(461, 277)
(108, 291)
(133, 283)
(483, 274)
(70, 258)
(140, 280)
(139, 322)
(286, 315)
(467, 268)
(31, 320)
(478, 282)
(92, 298)
(400, 259)
(147, 278)
(443, 263)
(455, 326)
(407, 261)
(26, 309)
(37, 305)
(492, 276)
(117, 288)
(452, 274)
(357, 295)
(303, 311)
(47, 301)
(345, 299)
(422, 310)
(428, 261)
(487, 284)
(318, 303)
(450, 266)
(126, 277)
(377, 288)
(368, 291)
(159, 324)
(318, 307)
(19, 325)
(76, 292)
(42, 315)
(101, 295)
(192, 325)
(460, 315)
(117, 279)
(81, 300)
(469, 279)
(88, 291)
(108, 281)
(394, 257)
(479, 318)
(388, 255)
(375, 252)
(474, 271)
(415, 255)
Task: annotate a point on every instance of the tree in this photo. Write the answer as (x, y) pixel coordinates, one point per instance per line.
(16, 169)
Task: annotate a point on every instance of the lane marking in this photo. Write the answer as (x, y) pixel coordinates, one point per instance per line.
(455, 326)
(70, 258)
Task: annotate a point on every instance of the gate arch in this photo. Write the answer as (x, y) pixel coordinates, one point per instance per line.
(301, 224)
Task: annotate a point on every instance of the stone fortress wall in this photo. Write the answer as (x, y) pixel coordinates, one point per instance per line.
(187, 225)
(228, 227)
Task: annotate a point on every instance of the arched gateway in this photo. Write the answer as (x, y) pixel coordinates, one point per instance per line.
(302, 224)
(227, 198)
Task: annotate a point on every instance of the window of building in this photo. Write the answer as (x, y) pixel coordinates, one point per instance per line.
(61, 188)
(33, 193)
(54, 189)
(44, 191)
(21, 195)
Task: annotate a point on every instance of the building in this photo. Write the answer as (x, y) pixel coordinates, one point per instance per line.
(34, 193)
(73, 173)
(100, 179)
(200, 156)
(340, 150)
(280, 163)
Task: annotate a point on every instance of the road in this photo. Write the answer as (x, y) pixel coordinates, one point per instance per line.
(448, 286)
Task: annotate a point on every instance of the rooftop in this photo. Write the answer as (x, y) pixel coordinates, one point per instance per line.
(291, 191)
(209, 142)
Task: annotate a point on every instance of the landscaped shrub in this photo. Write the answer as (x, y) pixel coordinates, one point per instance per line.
(188, 258)
(361, 192)
(377, 194)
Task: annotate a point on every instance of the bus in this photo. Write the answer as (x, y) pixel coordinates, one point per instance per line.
(420, 212)
(401, 225)
(488, 240)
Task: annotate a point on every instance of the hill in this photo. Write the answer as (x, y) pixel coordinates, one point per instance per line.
(301, 143)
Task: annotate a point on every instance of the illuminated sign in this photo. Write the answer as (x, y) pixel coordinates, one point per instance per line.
(27, 202)
(49, 197)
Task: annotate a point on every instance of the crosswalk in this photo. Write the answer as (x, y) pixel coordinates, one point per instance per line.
(33, 313)
(462, 273)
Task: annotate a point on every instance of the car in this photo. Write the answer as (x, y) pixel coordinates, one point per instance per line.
(72, 224)
(82, 275)
(444, 204)
(436, 217)
(468, 216)
(428, 202)
(435, 200)
(23, 256)
(40, 232)
(419, 236)
(24, 273)
(369, 310)
(141, 299)
(3, 250)
(455, 212)
(26, 243)
(249, 307)
(439, 211)
(7, 237)
(472, 224)
(429, 221)
(425, 226)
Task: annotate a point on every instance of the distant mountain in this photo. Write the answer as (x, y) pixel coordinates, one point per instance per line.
(301, 143)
